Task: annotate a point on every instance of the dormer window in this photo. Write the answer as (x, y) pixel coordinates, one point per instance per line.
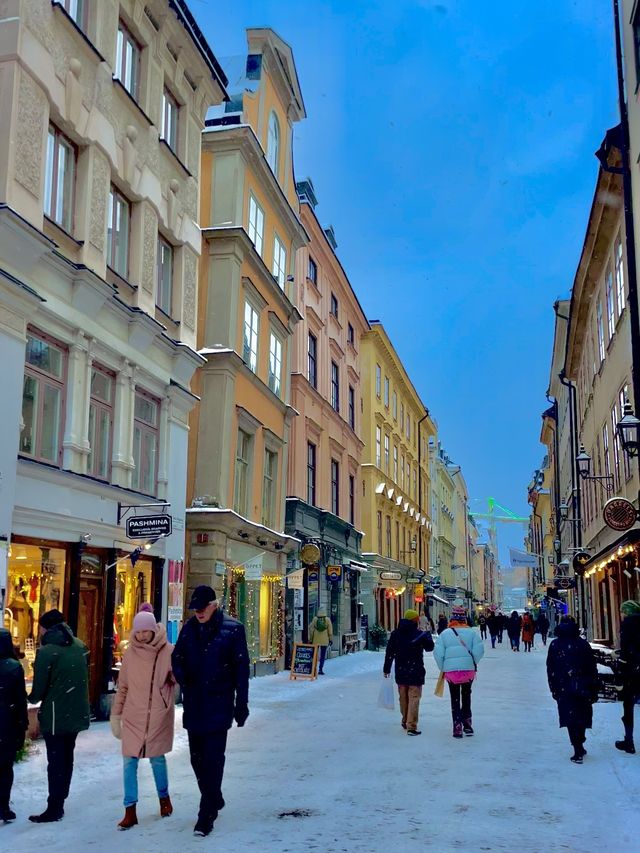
(273, 143)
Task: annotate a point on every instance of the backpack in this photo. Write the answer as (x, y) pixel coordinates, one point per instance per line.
(321, 624)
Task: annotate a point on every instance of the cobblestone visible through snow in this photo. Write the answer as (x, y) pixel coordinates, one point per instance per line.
(319, 767)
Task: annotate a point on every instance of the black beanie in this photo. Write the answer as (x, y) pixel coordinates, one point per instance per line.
(50, 619)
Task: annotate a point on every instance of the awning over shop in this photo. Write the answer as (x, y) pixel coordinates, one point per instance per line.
(357, 566)
(617, 549)
(438, 598)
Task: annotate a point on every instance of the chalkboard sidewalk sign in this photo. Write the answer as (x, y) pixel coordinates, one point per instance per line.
(304, 661)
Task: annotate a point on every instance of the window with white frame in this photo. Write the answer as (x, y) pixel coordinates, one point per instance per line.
(128, 53)
(379, 447)
(600, 330)
(60, 178)
(386, 392)
(388, 532)
(269, 487)
(611, 302)
(250, 343)
(164, 276)
(402, 471)
(401, 416)
(386, 452)
(616, 445)
(256, 224)
(279, 268)
(408, 427)
(275, 364)
(76, 9)
(241, 476)
(43, 399)
(273, 143)
(378, 381)
(622, 399)
(379, 529)
(118, 225)
(395, 463)
(619, 262)
(100, 423)
(335, 386)
(605, 450)
(170, 116)
(145, 443)
(394, 406)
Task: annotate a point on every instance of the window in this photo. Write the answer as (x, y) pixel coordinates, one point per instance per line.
(100, 423)
(273, 143)
(388, 532)
(408, 427)
(76, 10)
(350, 334)
(164, 284)
(352, 408)
(616, 445)
(619, 262)
(335, 487)
(622, 399)
(408, 477)
(605, 450)
(145, 443)
(118, 233)
(256, 224)
(600, 330)
(415, 484)
(312, 271)
(402, 471)
(170, 113)
(378, 447)
(42, 399)
(127, 69)
(279, 268)
(250, 344)
(335, 386)
(395, 463)
(397, 540)
(241, 479)
(386, 392)
(334, 306)
(379, 523)
(312, 353)
(352, 499)
(311, 474)
(611, 303)
(60, 178)
(386, 453)
(635, 23)
(394, 406)
(401, 416)
(275, 364)
(378, 381)
(269, 486)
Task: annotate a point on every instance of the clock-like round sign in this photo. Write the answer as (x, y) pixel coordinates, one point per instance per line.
(310, 553)
(619, 514)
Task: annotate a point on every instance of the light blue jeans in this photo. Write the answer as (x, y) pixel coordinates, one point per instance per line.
(160, 776)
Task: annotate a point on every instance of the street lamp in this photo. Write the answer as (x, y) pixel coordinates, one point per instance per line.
(629, 430)
(583, 461)
(564, 511)
(564, 565)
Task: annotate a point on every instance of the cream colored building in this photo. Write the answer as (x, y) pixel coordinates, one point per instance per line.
(102, 110)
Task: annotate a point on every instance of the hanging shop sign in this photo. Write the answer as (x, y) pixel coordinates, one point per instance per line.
(310, 553)
(295, 580)
(391, 576)
(565, 583)
(334, 573)
(580, 559)
(314, 576)
(619, 514)
(418, 592)
(304, 661)
(414, 580)
(148, 526)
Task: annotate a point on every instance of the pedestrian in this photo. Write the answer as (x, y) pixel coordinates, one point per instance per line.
(442, 623)
(528, 631)
(457, 652)
(406, 645)
(211, 664)
(13, 719)
(542, 627)
(482, 622)
(573, 681)
(321, 635)
(425, 623)
(629, 669)
(143, 711)
(514, 626)
(61, 685)
(501, 625)
(492, 625)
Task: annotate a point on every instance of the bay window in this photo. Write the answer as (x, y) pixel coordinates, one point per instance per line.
(275, 364)
(250, 343)
(279, 268)
(256, 224)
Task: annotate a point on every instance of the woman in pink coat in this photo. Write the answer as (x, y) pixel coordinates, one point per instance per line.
(143, 711)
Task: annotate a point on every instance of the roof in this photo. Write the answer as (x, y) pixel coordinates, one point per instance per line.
(186, 18)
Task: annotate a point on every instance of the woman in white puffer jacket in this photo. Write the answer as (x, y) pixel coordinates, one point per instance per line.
(457, 652)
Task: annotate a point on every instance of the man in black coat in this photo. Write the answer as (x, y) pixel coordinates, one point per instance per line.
(630, 669)
(406, 645)
(211, 664)
(542, 627)
(13, 719)
(573, 680)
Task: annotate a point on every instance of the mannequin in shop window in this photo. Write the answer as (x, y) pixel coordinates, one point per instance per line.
(22, 615)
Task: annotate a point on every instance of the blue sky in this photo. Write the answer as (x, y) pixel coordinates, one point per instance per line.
(451, 146)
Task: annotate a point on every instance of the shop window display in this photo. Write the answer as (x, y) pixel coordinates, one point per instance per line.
(133, 587)
(259, 605)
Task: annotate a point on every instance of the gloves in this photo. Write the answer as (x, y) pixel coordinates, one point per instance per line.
(116, 726)
(240, 715)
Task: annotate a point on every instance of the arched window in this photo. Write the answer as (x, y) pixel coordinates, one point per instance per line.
(273, 143)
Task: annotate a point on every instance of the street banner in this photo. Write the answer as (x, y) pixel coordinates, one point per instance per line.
(253, 569)
(522, 560)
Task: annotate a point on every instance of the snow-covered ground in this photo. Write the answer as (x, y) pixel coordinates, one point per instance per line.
(325, 750)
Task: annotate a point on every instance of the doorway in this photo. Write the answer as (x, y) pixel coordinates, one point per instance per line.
(90, 618)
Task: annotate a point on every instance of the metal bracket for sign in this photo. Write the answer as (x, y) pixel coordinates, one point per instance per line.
(122, 515)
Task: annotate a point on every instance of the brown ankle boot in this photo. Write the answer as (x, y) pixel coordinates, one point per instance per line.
(130, 818)
(165, 807)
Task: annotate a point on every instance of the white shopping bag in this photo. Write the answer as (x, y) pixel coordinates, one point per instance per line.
(386, 696)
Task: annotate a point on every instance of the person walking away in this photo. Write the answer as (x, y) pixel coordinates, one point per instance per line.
(442, 623)
(143, 711)
(211, 663)
(528, 630)
(457, 652)
(61, 685)
(514, 626)
(321, 635)
(406, 645)
(425, 623)
(492, 625)
(13, 719)
(482, 622)
(630, 670)
(573, 680)
(542, 627)
(501, 625)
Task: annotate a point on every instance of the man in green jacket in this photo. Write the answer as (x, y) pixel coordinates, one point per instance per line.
(61, 684)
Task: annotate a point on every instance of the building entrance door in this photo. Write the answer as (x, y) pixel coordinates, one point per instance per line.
(90, 618)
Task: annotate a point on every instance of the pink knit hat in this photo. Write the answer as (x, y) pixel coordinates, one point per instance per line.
(145, 607)
(144, 621)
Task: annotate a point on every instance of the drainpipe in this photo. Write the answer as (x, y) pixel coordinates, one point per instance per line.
(423, 418)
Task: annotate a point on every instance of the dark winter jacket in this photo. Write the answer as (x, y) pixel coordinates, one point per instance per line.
(406, 645)
(493, 624)
(572, 675)
(13, 701)
(211, 664)
(61, 682)
(514, 625)
(630, 647)
(443, 624)
(542, 624)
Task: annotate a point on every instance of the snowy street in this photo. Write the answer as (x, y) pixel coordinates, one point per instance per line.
(324, 750)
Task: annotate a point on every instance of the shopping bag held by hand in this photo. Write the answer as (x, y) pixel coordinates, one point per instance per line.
(386, 696)
(439, 690)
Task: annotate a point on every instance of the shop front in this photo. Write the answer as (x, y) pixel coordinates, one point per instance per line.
(392, 590)
(611, 576)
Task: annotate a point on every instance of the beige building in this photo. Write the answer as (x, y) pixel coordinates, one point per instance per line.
(102, 105)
